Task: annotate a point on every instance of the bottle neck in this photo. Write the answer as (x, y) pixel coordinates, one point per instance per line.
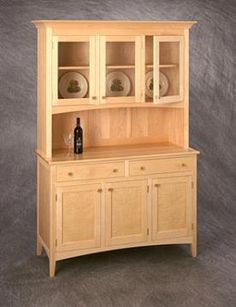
(78, 122)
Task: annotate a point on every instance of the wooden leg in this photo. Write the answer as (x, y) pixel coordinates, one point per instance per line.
(39, 248)
(194, 249)
(52, 267)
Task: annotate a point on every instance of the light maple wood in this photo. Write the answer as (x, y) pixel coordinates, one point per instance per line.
(135, 184)
(152, 166)
(43, 207)
(90, 171)
(171, 207)
(168, 59)
(117, 126)
(78, 217)
(141, 151)
(126, 212)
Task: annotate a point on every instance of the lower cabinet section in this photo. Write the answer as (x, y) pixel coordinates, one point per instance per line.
(78, 219)
(104, 214)
(171, 207)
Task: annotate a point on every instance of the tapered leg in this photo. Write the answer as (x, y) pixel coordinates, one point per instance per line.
(52, 267)
(194, 249)
(39, 248)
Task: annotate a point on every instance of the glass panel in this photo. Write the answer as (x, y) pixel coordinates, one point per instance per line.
(120, 69)
(73, 70)
(169, 68)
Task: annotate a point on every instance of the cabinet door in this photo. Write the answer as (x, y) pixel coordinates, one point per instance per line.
(171, 201)
(168, 58)
(126, 212)
(121, 69)
(78, 217)
(74, 70)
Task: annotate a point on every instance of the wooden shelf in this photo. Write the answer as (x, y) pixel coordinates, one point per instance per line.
(87, 67)
(72, 67)
(162, 65)
(75, 107)
(120, 66)
(118, 152)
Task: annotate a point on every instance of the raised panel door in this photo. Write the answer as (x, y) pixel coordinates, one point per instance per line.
(126, 212)
(171, 205)
(78, 217)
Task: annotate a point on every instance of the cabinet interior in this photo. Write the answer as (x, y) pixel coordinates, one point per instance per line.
(122, 126)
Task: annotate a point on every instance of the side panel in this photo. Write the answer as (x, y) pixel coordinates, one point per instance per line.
(44, 94)
(43, 203)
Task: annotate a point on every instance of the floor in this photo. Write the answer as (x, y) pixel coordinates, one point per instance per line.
(150, 276)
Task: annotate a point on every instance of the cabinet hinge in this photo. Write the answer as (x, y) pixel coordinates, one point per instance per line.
(147, 188)
(148, 231)
(56, 197)
(192, 226)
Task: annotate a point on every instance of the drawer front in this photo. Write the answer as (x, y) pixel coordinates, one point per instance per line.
(145, 167)
(90, 171)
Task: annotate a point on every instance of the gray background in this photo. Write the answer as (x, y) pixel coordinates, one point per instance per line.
(155, 276)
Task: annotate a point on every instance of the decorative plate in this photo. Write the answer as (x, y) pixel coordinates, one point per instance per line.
(118, 84)
(163, 84)
(73, 85)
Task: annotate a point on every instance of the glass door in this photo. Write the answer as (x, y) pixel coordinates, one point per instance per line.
(120, 69)
(74, 73)
(164, 69)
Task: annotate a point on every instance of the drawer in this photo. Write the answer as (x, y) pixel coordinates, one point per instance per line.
(144, 167)
(90, 171)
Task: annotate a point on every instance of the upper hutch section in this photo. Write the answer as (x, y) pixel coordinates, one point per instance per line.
(86, 66)
(92, 64)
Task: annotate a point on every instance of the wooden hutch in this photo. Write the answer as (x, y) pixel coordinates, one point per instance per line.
(135, 183)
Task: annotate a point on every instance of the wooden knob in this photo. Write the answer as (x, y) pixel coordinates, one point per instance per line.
(99, 190)
(70, 174)
(94, 97)
(110, 189)
(156, 185)
(183, 165)
(142, 168)
(115, 170)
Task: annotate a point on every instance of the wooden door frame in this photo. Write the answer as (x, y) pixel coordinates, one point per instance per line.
(96, 187)
(139, 86)
(131, 239)
(156, 185)
(156, 70)
(93, 70)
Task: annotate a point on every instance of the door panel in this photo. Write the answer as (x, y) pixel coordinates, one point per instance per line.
(168, 69)
(78, 217)
(126, 212)
(121, 71)
(75, 70)
(171, 199)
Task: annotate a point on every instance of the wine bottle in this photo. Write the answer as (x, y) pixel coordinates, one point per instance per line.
(78, 138)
